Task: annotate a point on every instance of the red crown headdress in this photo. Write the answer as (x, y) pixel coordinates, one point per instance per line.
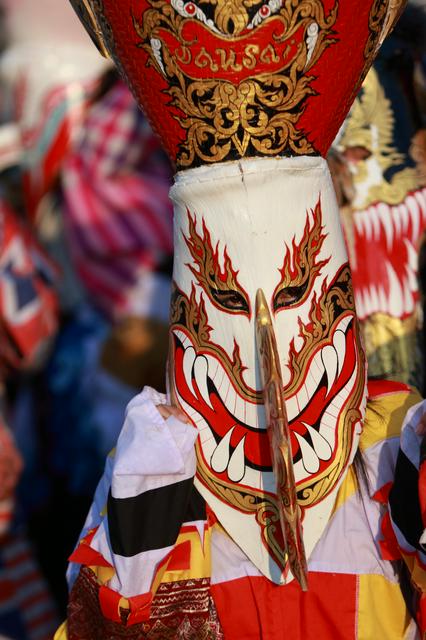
(228, 79)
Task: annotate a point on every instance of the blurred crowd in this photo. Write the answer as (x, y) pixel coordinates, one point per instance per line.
(85, 268)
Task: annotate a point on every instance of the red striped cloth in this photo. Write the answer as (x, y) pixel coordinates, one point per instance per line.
(10, 469)
(23, 591)
(118, 214)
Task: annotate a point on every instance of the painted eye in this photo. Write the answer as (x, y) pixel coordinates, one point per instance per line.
(190, 8)
(264, 12)
(230, 300)
(289, 296)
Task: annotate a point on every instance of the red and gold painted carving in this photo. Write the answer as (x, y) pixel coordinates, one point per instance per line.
(221, 80)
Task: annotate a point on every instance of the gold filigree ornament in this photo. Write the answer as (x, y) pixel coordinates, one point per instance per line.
(371, 125)
(237, 95)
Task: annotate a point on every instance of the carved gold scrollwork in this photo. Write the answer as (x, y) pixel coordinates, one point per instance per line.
(258, 115)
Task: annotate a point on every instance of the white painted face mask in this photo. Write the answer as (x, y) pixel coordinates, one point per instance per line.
(271, 224)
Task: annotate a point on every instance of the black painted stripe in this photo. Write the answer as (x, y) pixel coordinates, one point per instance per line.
(150, 520)
(196, 507)
(404, 501)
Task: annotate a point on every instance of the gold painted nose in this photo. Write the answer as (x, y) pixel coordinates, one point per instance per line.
(279, 440)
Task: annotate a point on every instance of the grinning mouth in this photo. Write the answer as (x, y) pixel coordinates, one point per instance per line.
(233, 435)
(387, 285)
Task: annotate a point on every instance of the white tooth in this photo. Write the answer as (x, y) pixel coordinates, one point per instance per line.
(329, 358)
(188, 363)
(321, 446)
(236, 466)
(396, 216)
(345, 322)
(411, 279)
(299, 473)
(358, 222)
(180, 334)
(317, 368)
(367, 302)
(292, 408)
(375, 222)
(404, 216)
(213, 367)
(249, 416)
(183, 338)
(311, 384)
(220, 458)
(328, 421)
(385, 214)
(367, 226)
(395, 292)
(310, 459)
(412, 255)
(302, 398)
(201, 369)
(374, 298)
(383, 305)
(413, 208)
(339, 343)
(408, 298)
(230, 399)
(240, 410)
(359, 305)
(421, 199)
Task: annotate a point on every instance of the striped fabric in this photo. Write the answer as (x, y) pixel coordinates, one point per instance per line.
(10, 469)
(148, 490)
(354, 590)
(26, 610)
(405, 535)
(45, 145)
(119, 217)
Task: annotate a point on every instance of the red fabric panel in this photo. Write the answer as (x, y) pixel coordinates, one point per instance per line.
(421, 616)
(389, 545)
(180, 557)
(109, 602)
(84, 554)
(255, 609)
(140, 608)
(382, 387)
(422, 491)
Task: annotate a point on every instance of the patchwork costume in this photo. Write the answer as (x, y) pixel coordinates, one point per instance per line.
(253, 520)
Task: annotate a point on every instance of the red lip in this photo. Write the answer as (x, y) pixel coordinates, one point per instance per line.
(257, 447)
